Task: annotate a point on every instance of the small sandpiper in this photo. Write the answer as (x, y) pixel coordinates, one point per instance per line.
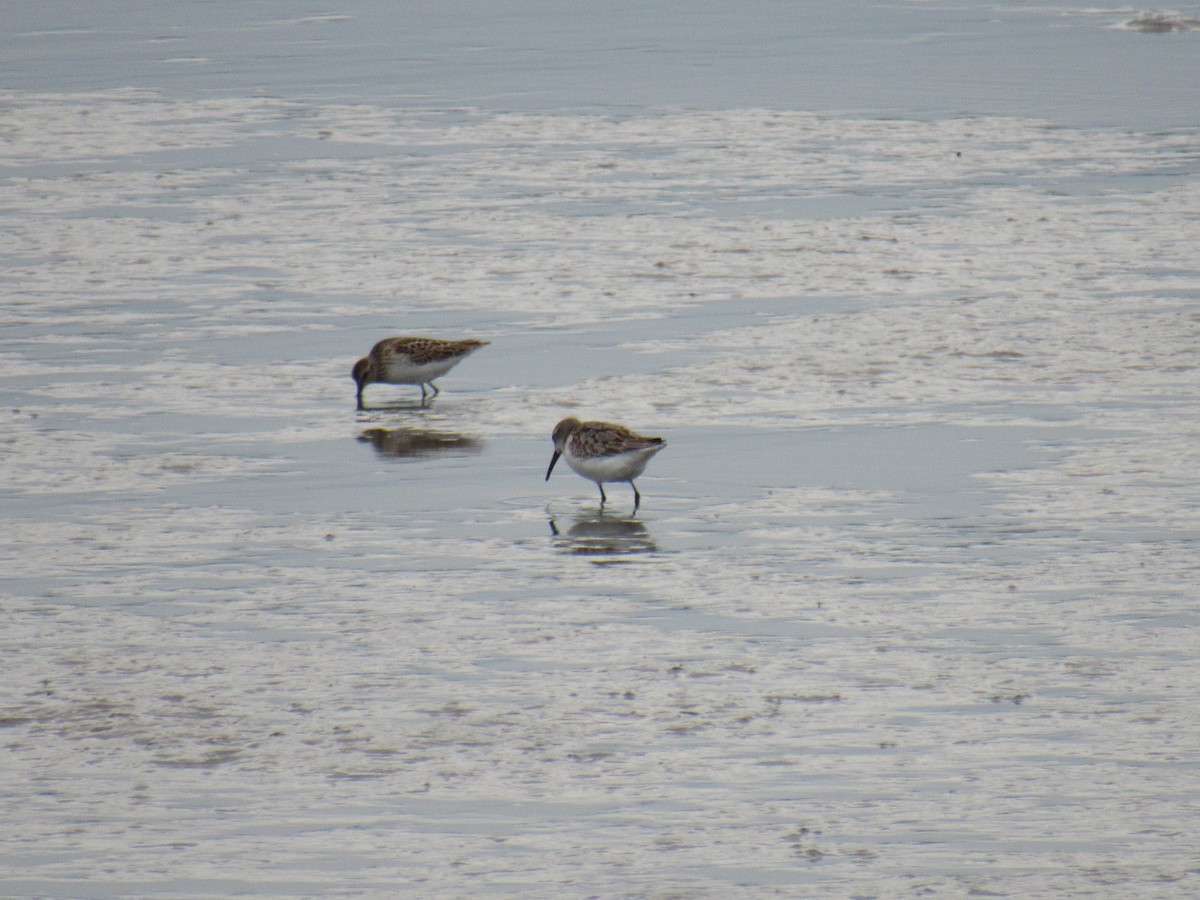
(411, 360)
(601, 451)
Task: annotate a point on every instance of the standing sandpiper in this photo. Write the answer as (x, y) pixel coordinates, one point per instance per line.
(411, 360)
(603, 452)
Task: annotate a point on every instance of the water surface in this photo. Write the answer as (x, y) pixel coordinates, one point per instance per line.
(909, 606)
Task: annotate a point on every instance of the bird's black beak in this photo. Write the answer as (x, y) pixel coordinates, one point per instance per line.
(359, 374)
(553, 460)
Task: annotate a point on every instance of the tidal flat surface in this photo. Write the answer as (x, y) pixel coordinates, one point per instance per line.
(910, 606)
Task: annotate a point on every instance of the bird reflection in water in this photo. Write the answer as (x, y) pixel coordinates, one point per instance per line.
(601, 535)
(414, 443)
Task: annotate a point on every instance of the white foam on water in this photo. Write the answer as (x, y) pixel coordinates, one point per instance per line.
(908, 606)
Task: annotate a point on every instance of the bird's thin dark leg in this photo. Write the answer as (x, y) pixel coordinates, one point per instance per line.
(422, 393)
(603, 499)
(436, 389)
(637, 498)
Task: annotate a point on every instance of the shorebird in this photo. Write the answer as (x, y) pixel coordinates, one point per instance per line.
(411, 360)
(601, 451)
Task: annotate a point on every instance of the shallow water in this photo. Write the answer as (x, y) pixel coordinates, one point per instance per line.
(910, 604)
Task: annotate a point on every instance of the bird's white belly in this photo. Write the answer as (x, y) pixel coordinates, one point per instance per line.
(397, 372)
(621, 467)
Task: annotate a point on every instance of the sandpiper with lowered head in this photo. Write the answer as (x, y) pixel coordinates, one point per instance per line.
(411, 360)
(601, 451)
